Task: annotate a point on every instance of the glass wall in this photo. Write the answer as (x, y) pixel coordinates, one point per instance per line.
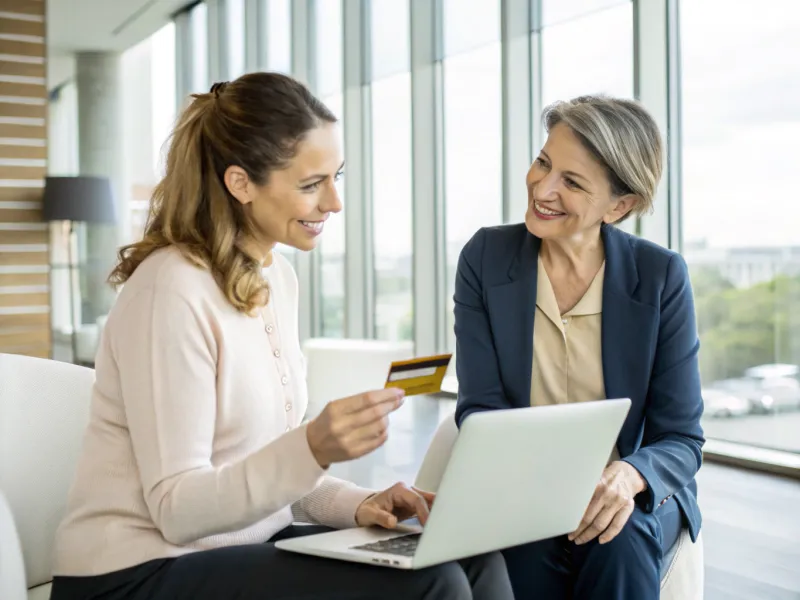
(235, 41)
(732, 86)
(198, 21)
(473, 146)
(587, 48)
(391, 170)
(279, 35)
(148, 76)
(328, 75)
(741, 123)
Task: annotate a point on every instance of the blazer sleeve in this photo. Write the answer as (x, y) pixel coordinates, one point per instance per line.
(671, 450)
(477, 366)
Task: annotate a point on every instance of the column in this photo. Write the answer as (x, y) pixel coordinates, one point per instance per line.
(359, 286)
(100, 154)
(428, 174)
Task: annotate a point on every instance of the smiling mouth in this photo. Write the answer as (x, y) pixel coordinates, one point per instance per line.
(546, 212)
(314, 227)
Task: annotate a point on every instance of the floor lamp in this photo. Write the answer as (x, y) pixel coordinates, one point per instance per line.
(78, 199)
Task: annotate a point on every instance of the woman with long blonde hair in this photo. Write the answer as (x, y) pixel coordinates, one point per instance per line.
(196, 458)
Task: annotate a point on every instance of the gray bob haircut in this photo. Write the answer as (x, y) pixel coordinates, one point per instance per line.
(622, 136)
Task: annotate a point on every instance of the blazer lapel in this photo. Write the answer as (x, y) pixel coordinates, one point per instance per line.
(628, 326)
(512, 306)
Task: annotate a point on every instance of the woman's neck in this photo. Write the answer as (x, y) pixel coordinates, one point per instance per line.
(580, 253)
(261, 251)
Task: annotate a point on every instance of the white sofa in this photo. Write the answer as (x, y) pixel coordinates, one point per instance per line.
(682, 575)
(44, 409)
(12, 567)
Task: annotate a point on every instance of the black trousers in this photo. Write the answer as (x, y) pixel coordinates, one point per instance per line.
(262, 572)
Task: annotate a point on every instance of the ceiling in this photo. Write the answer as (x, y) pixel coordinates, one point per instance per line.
(100, 25)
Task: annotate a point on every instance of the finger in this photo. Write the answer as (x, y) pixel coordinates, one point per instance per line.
(598, 526)
(428, 496)
(359, 448)
(361, 402)
(617, 523)
(595, 506)
(370, 415)
(383, 518)
(371, 431)
(405, 503)
(416, 502)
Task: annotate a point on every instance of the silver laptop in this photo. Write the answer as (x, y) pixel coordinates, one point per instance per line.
(515, 476)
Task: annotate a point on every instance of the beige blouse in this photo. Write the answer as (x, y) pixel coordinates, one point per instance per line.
(567, 349)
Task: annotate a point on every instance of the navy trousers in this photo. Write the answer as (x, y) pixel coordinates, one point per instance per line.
(626, 568)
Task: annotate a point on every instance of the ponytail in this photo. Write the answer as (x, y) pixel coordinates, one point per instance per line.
(192, 210)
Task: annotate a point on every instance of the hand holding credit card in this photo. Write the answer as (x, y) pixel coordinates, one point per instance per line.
(419, 375)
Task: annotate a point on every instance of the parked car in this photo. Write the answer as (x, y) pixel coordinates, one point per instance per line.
(761, 403)
(723, 404)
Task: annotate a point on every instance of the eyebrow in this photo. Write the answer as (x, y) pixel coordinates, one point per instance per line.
(572, 174)
(318, 176)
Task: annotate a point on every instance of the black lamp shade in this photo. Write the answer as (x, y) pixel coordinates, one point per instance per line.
(83, 198)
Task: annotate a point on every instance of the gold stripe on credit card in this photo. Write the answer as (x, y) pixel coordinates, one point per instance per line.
(419, 375)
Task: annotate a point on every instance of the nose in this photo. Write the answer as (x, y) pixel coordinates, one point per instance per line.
(331, 201)
(543, 186)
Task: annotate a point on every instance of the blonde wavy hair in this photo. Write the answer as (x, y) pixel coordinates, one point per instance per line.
(255, 122)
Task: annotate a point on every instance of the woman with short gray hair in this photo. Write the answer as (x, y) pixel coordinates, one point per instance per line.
(569, 308)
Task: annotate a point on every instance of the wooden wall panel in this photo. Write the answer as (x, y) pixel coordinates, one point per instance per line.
(24, 259)
(18, 194)
(24, 243)
(36, 152)
(14, 280)
(34, 28)
(17, 48)
(19, 215)
(20, 69)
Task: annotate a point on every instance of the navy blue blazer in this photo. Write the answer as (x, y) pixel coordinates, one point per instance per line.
(649, 347)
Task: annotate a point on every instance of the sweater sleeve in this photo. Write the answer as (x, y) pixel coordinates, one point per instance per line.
(333, 503)
(166, 356)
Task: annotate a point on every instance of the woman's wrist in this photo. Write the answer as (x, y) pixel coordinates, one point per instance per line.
(314, 446)
(638, 483)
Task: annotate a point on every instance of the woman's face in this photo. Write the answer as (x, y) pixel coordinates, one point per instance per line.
(292, 206)
(569, 194)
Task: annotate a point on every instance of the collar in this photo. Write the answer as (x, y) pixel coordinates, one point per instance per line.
(590, 304)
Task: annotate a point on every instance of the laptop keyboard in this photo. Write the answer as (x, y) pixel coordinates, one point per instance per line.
(405, 545)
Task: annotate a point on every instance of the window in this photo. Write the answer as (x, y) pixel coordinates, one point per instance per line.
(236, 53)
(332, 255)
(472, 130)
(149, 101)
(199, 25)
(586, 52)
(279, 38)
(62, 155)
(328, 31)
(741, 122)
(329, 74)
(555, 12)
(391, 171)
(278, 26)
(162, 81)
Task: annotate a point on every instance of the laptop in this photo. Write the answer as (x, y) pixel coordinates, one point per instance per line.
(514, 476)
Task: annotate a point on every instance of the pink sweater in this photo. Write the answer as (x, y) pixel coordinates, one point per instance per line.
(195, 439)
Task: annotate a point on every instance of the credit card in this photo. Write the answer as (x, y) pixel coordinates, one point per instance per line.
(419, 375)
